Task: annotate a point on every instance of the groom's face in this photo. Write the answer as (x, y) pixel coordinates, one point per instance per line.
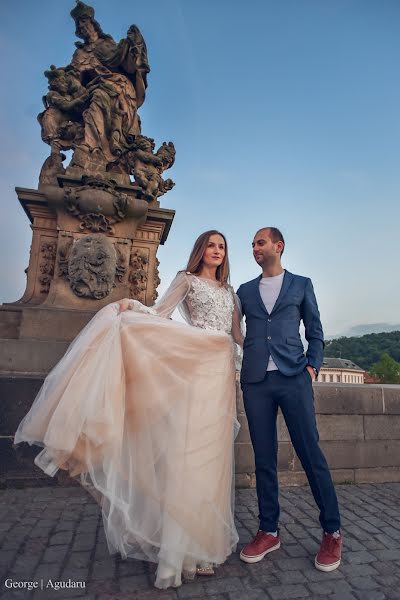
(264, 249)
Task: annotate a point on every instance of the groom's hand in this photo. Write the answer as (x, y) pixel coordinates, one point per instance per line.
(311, 372)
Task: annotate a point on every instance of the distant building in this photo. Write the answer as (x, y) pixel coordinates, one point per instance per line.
(368, 378)
(340, 370)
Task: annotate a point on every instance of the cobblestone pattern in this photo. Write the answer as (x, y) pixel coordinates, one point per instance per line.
(57, 534)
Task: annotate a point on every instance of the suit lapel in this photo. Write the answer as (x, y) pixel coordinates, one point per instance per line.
(287, 280)
(258, 295)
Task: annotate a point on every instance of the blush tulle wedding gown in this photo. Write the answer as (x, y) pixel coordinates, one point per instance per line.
(141, 409)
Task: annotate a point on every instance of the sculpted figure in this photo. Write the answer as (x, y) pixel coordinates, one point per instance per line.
(115, 77)
(147, 167)
(61, 120)
(92, 108)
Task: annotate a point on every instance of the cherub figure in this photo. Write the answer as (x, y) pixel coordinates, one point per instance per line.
(147, 167)
(167, 154)
(61, 120)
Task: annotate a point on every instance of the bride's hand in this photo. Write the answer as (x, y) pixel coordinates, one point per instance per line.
(123, 304)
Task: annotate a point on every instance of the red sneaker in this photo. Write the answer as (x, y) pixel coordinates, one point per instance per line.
(262, 544)
(329, 554)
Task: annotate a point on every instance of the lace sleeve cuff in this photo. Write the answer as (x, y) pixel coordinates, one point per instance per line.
(139, 307)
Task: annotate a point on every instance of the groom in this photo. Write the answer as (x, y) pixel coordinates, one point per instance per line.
(276, 373)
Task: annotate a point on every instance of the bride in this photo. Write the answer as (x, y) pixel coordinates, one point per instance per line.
(141, 409)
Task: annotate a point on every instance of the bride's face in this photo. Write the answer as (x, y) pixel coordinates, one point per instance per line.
(214, 253)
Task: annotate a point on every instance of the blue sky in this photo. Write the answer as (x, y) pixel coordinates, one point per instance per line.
(283, 113)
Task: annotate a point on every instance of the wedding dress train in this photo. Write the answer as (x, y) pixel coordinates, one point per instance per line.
(142, 410)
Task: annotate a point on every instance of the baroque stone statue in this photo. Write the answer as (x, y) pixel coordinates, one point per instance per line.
(92, 108)
(97, 221)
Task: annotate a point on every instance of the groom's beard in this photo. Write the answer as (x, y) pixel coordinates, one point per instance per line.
(265, 261)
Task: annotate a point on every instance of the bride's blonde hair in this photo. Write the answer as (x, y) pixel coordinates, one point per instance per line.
(196, 256)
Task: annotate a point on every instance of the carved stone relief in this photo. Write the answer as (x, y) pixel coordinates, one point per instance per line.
(46, 266)
(157, 281)
(96, 204)
(91, 265)
(138, 273)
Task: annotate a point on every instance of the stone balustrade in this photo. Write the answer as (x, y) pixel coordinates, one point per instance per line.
(359, 427)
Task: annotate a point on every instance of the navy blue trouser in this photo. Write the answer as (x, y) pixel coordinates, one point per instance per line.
(294, 395)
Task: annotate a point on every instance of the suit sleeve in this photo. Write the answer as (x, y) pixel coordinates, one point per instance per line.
(313, 327)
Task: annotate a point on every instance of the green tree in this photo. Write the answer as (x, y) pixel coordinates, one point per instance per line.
(387, 370)
(365, 350)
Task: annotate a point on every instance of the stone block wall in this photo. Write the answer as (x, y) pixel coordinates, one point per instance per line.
(359, 427)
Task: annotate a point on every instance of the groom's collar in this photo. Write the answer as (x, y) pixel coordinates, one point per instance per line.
(285, 273)
(287, 280)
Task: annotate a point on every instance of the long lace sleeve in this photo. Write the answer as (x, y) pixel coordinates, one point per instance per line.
(166, 305)
(237, 322)
(174, 295)
(238, 331)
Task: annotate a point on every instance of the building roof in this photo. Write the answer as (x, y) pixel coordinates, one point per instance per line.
(340, 363)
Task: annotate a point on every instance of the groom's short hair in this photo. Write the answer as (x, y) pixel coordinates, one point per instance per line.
(275, 234)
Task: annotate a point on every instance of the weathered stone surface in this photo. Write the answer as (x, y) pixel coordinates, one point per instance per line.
(16, 398)
(382, 427)
(21, 357)
(348, 399)
(358, 454)
(294, 478)
(377, 475)
(10, 321)
(331, 427)
(244, 458)
(391, 399)
(245, 480)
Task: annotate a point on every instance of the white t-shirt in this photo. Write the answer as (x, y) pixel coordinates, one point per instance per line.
(270, 288)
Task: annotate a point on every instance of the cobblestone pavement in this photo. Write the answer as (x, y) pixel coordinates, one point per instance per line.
(56, 534)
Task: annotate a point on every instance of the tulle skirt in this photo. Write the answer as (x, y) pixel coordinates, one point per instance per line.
(142, 410)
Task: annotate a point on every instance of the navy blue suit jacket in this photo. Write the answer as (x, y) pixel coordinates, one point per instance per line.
(277, 334)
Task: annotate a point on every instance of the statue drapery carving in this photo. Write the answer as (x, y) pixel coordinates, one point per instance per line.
(92, 108)
(96, 217)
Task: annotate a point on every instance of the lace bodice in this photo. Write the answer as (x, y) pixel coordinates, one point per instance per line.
(202, 302)
(210, 306)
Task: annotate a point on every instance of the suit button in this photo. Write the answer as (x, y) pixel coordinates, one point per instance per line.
(269, 337)
(269, 320)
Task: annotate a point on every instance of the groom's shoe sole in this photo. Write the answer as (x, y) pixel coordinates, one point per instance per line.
(258, 557)
(327, 568)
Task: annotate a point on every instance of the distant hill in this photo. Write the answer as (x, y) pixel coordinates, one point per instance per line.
(365, 350)
(358, 330)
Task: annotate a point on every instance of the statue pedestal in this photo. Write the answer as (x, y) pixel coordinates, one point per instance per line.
(61, 297)
(135, 238)
(64, 288)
